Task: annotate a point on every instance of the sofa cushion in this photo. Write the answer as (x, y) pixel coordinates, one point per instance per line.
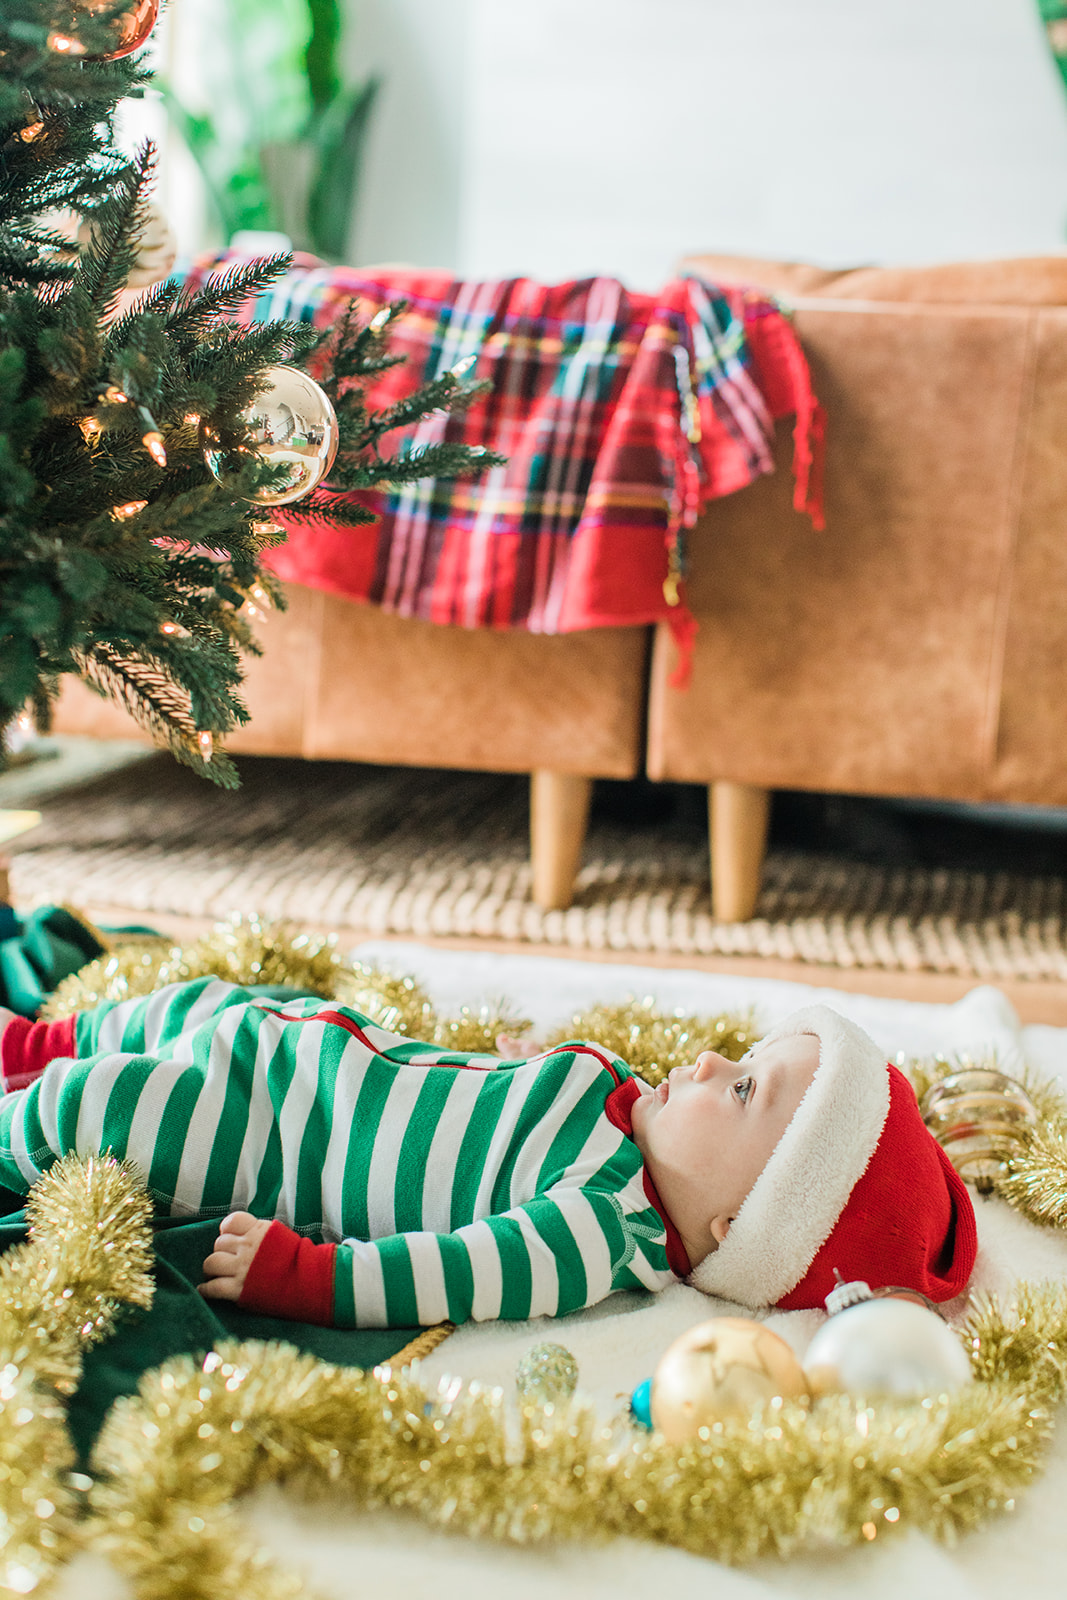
(1021, 281)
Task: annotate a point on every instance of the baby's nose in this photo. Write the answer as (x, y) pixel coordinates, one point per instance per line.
(708, 1063)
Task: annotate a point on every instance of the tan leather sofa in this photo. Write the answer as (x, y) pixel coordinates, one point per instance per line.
(918, 645)
(342, 681)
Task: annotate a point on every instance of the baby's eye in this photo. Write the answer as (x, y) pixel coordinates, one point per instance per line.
(743, 1089)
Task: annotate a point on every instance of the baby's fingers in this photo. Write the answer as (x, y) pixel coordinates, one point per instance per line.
(221, 1264)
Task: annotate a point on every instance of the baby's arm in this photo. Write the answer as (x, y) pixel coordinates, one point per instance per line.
(567, 1248)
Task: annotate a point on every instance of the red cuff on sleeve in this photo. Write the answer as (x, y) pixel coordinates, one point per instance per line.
(291, 1277)
(27, 1047)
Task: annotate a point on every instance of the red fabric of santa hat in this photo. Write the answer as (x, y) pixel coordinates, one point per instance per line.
(857, 1186)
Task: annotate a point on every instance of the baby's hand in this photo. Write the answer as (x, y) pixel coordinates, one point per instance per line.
(240, 1236)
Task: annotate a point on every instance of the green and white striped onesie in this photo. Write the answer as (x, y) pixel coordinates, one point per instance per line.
(455, 1185)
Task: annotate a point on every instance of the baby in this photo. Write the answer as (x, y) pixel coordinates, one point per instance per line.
(384, 1182)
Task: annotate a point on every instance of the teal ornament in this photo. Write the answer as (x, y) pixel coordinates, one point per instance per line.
(641, 1404)
(546, 1373)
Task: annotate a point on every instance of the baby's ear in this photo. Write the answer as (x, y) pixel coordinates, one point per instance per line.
(720, 1227)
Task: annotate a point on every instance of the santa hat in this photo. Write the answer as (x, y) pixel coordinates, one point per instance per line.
(857, 1186)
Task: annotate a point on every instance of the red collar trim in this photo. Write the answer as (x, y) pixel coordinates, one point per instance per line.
(619, 1108)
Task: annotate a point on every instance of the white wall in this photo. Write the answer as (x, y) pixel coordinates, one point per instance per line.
(557, 138)
(615, 135)
(410, 206)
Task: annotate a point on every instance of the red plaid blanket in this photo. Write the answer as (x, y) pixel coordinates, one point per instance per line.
(621, 416)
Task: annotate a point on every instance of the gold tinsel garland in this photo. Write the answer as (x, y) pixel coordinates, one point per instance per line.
(652, 1041)
(88, 1253)
(172, 1459)
(250, 950)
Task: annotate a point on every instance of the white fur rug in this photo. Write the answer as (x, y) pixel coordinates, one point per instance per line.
(618, 1343)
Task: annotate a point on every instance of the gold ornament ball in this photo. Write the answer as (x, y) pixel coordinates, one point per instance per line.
(725, 1367)
(290, 423)
(886, 1347)
(547, 1372)
(132, 28)
(979, 1117)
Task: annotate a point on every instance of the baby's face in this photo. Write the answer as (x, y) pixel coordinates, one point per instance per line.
(709, 1129)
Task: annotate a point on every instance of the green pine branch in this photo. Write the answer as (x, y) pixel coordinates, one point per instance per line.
(122, 560)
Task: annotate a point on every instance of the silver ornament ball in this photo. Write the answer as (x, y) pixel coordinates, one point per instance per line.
(547, 1372)
(886, 1347)
(290, 423)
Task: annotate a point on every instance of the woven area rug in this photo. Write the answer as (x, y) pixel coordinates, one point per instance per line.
(426, 853)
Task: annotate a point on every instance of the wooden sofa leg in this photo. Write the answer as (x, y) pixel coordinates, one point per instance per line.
(559, 813)
(738, 814)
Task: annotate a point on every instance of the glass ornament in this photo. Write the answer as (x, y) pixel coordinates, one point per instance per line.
(727, 1366)
(290, 423)
(641, 1404)
(886, 1346)
(132, 28)
(979, 1117)
(547, 1372)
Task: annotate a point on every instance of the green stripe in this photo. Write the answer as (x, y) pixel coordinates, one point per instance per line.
(539, 1107)
(280, 1071)
(570, 1268)
(401, 1305)
(171, 1132)
(459, 1276)
(33, 1133)
(474, 1149)
(366, 1118)
(574, 1132)
(344, 1299)
(414, 1148)
(68, 1109)
(264, 1203)
(516, 1274)
(122, 1103)
(233, 1119)
(316, 1135)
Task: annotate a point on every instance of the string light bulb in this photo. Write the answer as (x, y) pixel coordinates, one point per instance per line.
(153, 443)
(91, 430)
(115, 396)
(206, 745)
(130, 509)
(30, 132)
(64, 45)
(380, 318)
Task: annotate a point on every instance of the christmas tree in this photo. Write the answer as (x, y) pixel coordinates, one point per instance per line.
(123, 557)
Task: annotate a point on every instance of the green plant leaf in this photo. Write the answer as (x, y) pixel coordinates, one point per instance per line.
(339, 136)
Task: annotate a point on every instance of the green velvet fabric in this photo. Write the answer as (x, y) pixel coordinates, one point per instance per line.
(39, 950)
(181, 1322)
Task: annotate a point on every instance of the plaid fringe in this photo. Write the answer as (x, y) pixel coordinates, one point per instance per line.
(621, 415)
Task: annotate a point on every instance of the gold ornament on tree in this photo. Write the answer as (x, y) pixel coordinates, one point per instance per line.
(131, 27)
(729, 1366)
(290, 424)
(981, 1118)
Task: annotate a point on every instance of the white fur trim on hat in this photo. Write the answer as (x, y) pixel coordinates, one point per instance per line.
(802, 1191)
